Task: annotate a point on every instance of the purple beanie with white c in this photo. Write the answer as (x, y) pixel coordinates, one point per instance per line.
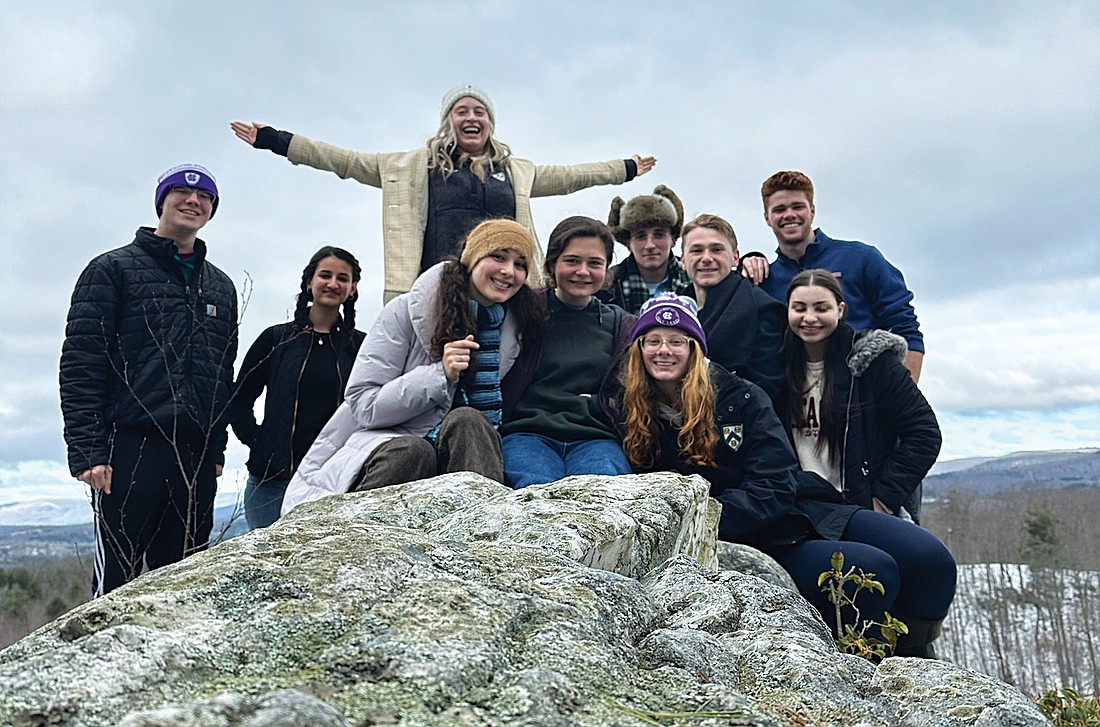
(672, 311)
(186, 175)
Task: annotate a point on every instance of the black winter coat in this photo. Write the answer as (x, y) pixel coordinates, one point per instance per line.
(756, 477)
(744, 327)
(891, 434)
(277, 361)
(145, 349)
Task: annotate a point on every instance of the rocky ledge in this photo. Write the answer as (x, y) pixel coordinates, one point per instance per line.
(457, 602)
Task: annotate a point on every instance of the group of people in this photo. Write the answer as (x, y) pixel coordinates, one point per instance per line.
(791, 386)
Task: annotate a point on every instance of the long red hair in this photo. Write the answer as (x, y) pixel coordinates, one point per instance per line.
(697, 438)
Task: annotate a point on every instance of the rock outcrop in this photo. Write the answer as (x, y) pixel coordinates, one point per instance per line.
(455, 601)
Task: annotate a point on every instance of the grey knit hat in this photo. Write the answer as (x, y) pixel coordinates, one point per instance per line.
(660, 209)
(466, 89)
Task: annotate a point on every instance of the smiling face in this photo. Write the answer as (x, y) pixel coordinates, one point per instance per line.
(790, 214)
(666, 354)
(651, 248)
(470, 120)
(184, 213)
(708, 256)
(580, 270)
(332, 282)
(498, 276)
(813, 314)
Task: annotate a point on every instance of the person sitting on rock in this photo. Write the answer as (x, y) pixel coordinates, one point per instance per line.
(682, 413)
(553, 423)
(424, 396)
(857, 419)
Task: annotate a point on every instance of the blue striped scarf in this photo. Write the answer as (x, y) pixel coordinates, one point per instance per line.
(479, 385)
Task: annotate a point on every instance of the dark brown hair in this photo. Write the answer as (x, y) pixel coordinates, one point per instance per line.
(566, 230)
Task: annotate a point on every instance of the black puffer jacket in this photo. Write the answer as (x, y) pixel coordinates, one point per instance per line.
(891, 436)
(277, 361)
(145, 349)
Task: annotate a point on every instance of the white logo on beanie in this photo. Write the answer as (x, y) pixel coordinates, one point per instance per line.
(192, 178)
(668, 317)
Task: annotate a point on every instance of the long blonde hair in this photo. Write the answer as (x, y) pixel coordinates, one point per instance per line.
(697, 438)
(445, 142)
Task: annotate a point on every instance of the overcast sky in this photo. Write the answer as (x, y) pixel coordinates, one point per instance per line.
(962, 142)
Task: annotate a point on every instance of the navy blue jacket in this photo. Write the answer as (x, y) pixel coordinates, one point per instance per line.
(874, 289)
(744, 327)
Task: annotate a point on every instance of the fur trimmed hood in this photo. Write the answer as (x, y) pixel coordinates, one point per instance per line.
(869, 345)
(660, 209)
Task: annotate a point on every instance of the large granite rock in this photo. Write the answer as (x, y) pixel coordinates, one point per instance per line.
(455, 601)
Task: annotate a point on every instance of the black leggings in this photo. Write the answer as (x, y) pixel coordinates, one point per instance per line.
(161, 506)
(915, 568)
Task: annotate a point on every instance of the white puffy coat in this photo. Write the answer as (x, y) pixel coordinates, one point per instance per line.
(394, 389)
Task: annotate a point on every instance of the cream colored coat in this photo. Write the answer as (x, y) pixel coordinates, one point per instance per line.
(403, 178)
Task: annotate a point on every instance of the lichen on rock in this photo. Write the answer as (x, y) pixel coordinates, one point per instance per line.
(455, 601)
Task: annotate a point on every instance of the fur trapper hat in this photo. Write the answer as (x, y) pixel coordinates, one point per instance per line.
(660, 209)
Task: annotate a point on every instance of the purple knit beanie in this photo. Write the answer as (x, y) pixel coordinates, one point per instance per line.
(186, 175)
(673, 311)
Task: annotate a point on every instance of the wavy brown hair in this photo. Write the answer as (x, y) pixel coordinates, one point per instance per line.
(443, 147)
(697, 438)
(455, 320)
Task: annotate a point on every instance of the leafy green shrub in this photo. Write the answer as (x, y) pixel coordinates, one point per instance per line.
(852, 637)
(1067, 707)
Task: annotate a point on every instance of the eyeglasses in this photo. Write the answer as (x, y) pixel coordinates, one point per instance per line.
(675, 344)
(182, 191)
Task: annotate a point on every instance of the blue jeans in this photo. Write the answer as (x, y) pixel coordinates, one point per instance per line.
(532, 459)
(262, 501)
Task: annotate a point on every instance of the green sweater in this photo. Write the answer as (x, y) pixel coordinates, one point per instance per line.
(562, 401)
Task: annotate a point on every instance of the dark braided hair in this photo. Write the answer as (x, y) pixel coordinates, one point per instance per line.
(305, 297)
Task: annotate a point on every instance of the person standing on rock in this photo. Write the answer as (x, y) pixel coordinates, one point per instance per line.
(146, 375)
(304, 366)
(648, 225)
(424, 396)
(682, 413)
(433, 196)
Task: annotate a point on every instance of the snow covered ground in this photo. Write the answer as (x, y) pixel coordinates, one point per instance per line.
(1035, 628)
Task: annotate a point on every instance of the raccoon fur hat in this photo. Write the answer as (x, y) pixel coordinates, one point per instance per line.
(660, 209)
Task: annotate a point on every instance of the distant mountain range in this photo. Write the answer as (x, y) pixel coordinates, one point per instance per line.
(63, 527)
(21, 542)
(1019, 472)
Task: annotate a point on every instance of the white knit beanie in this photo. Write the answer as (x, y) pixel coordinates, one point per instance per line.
(466, 89)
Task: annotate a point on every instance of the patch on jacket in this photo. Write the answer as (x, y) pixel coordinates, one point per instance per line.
(733, 434)
(211, 310)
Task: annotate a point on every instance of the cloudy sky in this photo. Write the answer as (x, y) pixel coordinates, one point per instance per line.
(963, 142)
